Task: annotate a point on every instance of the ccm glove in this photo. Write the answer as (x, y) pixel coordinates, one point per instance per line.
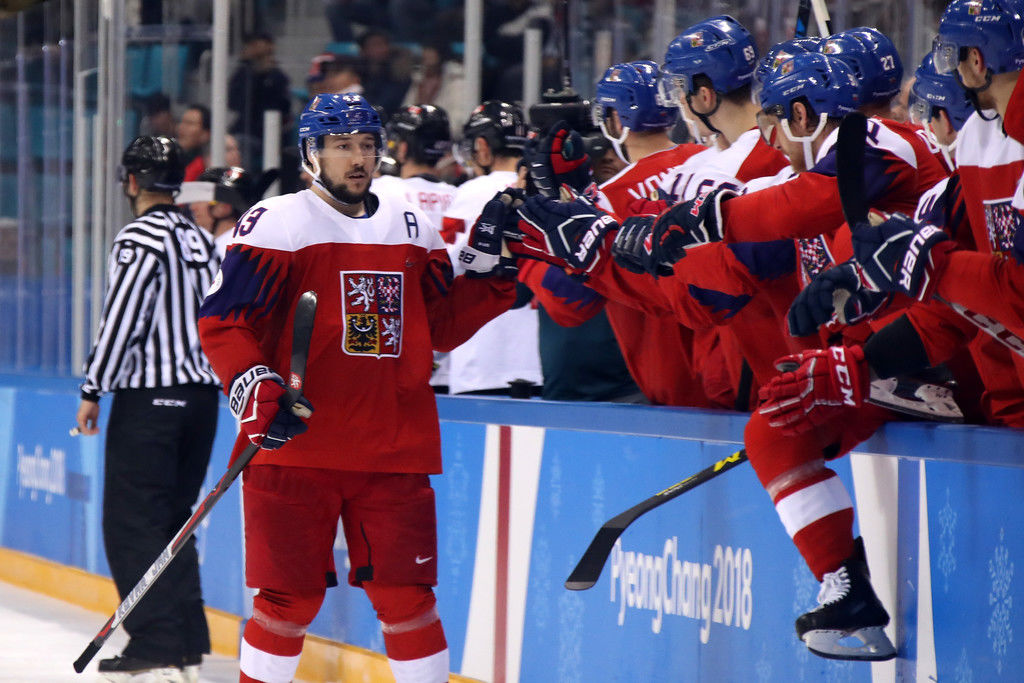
(257, 401)
(559, 158)
(564, 233)
(813, 387)
(482, 254)
(837, 293)
(899, 255)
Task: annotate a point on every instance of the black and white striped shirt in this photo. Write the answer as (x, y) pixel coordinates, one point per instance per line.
(160, 268)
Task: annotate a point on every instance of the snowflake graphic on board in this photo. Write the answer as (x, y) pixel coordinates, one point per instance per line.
(598, 516)
(1000, 570)
(805, 591)
(570, 640)
(963, 672)
(838, 671)
(947, 540)
(764, 666)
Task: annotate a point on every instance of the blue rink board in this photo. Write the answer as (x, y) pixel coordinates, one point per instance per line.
(50, 492)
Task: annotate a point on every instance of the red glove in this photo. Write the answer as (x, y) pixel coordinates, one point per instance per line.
(814, 386)
(255, 400)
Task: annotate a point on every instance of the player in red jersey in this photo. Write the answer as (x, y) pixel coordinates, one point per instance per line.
(386, 297)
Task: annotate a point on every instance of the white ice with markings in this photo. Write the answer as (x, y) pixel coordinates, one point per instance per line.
(41, 637)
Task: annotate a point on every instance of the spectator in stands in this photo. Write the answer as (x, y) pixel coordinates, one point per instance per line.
(438, 80)
(193, 134)
(386, 70)
(504, 24)
(257, 85)
(158, 118)
(341, 14)
(331, 73)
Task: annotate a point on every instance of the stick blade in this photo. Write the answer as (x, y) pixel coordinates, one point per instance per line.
(87, 654)
(588, 569)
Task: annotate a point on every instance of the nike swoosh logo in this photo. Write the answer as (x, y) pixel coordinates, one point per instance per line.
(421, 560)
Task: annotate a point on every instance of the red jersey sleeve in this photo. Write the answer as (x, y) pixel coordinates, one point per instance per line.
(986, 284)
(567, 300)
(240, 311)
(459, 306)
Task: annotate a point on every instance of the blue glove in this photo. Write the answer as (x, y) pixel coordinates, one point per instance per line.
(565, 233)
(559, 158)
(815, 305)
(899, 255)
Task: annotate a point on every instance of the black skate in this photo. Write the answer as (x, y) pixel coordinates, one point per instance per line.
(848, 610)
(122, 669)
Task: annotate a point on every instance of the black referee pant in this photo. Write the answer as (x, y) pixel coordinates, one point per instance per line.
(157, 450)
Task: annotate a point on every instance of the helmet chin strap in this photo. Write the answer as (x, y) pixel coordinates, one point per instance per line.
(972, 93)
(947, 150)
(311, 165)
(805, 140)
(617, 142)
(706, 118)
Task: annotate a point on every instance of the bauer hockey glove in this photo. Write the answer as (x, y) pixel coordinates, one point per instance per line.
(834, 294)
(690, 224)
(482, 254)
(814, 386)
(899, 255)
(255, 401)
(559, 158)
(564, 233)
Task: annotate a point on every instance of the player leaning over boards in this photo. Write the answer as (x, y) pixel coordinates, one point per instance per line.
(386, 297)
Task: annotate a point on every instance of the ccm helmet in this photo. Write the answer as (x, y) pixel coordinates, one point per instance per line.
(335, 114)
(156, 162)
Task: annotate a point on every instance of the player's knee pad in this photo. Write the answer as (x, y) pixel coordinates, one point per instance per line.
(285, 614)
(408, 619)
(778, 458)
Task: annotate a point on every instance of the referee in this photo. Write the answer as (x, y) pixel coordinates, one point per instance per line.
(163, 414)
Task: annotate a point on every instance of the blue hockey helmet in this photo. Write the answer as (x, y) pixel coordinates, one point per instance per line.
(336, 114)
(873, 58)
(935, 90)
(994, 27)
(631, 90)
(719, 48)
(827, 84)
(779, 53)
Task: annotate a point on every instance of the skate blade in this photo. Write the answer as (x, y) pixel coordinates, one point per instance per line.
(867, 644)
(163, 675)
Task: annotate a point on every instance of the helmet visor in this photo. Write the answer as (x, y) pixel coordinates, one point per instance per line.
(767, 123)
(672, 89)
(945, 55)
(920, 111)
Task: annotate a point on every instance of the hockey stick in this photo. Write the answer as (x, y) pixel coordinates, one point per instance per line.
(822, 18)
(850, 145)
(588, 569)
(305, 311)
(803, 15)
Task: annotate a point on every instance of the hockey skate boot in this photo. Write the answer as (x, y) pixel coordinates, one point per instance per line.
(849, 620)
(123, 669)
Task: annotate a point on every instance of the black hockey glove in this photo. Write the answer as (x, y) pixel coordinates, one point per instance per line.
(834, 294)
(559, 158)
(690, 224)
(482, 254)
(632, 248)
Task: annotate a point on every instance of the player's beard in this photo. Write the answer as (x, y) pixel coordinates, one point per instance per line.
(341, 192)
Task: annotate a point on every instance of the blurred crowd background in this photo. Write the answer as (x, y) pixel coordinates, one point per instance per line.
(394, 52)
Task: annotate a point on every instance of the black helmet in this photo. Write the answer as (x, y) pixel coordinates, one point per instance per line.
(425, 128)
(503, 125)
(232, 185)
(156, 162)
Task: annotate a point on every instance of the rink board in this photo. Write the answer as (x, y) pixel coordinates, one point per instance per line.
(703, 589)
